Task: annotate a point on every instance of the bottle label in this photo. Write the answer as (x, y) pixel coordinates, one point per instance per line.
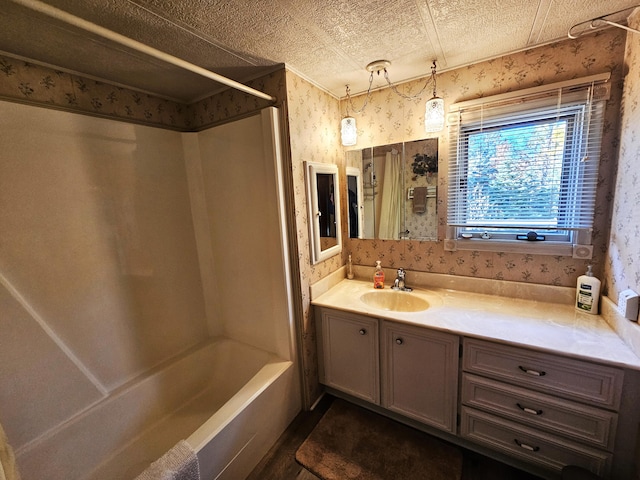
(585, 299)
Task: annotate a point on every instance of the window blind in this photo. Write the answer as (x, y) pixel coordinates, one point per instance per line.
(527, 160)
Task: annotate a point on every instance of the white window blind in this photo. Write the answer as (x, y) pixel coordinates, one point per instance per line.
(527, 161)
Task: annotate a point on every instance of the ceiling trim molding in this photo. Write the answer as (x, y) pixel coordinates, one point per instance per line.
(307, 79)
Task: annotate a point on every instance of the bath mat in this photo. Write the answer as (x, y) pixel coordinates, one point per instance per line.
(352, 443)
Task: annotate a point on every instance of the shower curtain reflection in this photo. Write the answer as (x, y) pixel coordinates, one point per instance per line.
(391, 197)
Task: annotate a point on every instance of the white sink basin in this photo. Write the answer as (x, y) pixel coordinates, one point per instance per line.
(394, 300)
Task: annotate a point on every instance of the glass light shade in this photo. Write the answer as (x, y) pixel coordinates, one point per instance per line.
(348, 131)
(434, 115)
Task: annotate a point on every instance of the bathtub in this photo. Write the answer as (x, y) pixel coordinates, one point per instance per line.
(228, 400)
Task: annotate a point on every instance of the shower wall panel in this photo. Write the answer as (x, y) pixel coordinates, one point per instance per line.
(99, 274)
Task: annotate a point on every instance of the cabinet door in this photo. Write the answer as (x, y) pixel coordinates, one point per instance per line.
(420, 374)
(350, 354)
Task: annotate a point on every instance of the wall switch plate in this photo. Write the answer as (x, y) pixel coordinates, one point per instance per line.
(628, 304)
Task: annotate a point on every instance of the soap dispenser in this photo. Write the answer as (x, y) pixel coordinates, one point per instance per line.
(588, 293)
(378, 276)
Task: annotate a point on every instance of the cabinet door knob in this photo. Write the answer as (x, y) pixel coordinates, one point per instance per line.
(535, 373)
(399, 341)
(363, 331)
(525, 446)
(532, 411)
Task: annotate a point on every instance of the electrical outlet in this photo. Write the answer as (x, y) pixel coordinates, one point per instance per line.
(628, 304)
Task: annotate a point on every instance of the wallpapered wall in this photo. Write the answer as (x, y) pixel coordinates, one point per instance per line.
(622, 267)
(314, 136)
(34, 84)
(389, 119)
(30, 83)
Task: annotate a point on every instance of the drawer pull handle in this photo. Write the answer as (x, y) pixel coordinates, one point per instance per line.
(535, 373)
(525, 446)
(399, 341)
(529, 410)
(363, 331)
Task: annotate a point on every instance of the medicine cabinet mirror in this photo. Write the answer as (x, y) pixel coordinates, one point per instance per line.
(323, 200)
(398, 190)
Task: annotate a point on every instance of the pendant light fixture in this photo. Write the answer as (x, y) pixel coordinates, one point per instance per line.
(434, 108)
(348, 131)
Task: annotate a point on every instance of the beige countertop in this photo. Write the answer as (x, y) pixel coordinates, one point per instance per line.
(551, 327)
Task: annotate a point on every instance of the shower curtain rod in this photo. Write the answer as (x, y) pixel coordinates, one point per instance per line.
(68, 18)
(593, 23)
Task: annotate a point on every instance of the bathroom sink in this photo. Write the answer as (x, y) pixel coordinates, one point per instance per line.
(395, 300)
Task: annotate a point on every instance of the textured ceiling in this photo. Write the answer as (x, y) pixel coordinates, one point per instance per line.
(328, 42)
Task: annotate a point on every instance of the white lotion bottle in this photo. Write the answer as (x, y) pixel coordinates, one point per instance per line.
(588, 293)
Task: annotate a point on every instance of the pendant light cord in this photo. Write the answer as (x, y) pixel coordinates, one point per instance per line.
(366, 100)
(393, 87)
(424, 87)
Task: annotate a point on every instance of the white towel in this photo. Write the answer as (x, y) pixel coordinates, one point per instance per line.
(179, 463)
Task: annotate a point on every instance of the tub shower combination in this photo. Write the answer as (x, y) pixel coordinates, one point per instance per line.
(226, 413)
(138, 306)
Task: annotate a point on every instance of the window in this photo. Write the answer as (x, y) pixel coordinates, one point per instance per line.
(524, 168)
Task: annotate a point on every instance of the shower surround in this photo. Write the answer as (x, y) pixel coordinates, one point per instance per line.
(113, 273)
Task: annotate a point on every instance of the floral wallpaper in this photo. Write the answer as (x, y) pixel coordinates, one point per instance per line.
(30, 83)
(232, 103)
(27, 82)
(314, 136)
(622, 266)
(389, 119)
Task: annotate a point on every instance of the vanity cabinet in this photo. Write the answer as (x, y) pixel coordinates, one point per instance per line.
(416, 368)
(542, 408)
(420, 374)
(349, 349)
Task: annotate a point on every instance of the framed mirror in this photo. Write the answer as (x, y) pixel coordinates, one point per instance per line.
(323, 200)
(355, 208)
(399, 190)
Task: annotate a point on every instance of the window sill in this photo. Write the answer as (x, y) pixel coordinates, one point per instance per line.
(509, 246)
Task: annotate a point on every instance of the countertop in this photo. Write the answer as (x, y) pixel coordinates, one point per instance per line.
(549, 327)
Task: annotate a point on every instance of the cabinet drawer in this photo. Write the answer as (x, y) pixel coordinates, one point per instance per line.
(532, 446)
(583, 423)
(570, 378)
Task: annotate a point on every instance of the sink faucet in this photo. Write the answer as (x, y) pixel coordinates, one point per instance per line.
(398, 283)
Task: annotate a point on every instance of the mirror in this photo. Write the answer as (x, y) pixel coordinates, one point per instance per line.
(355, 207)
(323, 201)
(399, 190)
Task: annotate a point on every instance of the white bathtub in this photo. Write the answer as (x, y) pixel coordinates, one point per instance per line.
(230, 401)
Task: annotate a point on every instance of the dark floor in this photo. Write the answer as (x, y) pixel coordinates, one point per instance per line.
(280, 464)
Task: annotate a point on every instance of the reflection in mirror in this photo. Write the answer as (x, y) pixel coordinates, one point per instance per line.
(323, 200)
(355, 207)
(399, 189)
(420, 187)
(326, 209)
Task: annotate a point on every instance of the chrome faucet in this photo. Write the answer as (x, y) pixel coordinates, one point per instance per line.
(398, 283)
